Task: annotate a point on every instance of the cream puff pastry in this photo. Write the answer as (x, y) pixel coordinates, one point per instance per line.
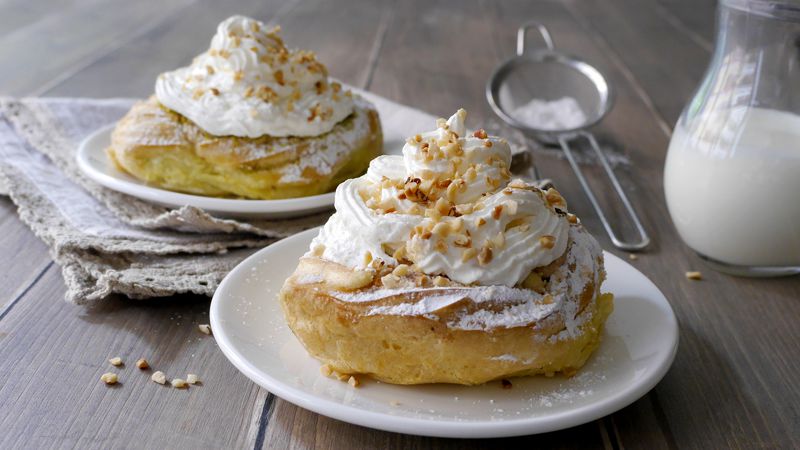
(248, 118)
(439, 267)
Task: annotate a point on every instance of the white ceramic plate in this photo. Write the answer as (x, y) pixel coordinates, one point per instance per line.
(638, 348)
(95, 164)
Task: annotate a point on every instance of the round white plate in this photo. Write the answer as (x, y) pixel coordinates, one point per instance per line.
(638, 347)
(95, 164)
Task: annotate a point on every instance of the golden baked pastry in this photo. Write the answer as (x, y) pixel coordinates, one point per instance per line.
(437, 267)
(248, 118)
(165, 149)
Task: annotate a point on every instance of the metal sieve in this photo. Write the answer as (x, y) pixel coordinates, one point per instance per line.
(546, 74)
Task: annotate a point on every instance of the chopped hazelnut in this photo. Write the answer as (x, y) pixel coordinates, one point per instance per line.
(464, 208)
(159, 377)
(116, 361)
(354, 382)
(480, 134)
(179, 383)
(192, 378)
(633, 256)
(142, 364)
(441, 229)
(499, 241)
(204, 328)
(534, 282)
(694, 275)
(497, 211)
(401, 270)
(469, 254)
(554, 198)
(572, 218)
(547, 241)
(279, 77)
(485, 256)
(109, 378)
(440, 281)
(326, 370)
(367, 258)
(390, 281)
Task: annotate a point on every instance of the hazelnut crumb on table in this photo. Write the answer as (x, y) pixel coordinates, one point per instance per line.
(109, 378)
(694, 275)
(116, 361)
(159, 377)
(204, 328)
(142, 364)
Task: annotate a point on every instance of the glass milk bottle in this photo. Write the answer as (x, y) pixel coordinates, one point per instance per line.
(732, 174)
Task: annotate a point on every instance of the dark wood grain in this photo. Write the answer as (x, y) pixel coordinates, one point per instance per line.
(733, 381)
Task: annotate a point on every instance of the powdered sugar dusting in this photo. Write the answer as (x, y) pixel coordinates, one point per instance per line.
(327, 152)
(309, 278)
(523, 306)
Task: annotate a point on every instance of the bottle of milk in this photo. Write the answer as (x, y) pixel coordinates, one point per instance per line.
(732, 174)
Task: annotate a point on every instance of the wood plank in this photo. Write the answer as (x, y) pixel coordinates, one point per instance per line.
(24, 259)
(668, 65)
(293, 427)
(169, 45)
(49, 375)
(175, 42)
(696, 19)
(51, 48)
(21, 13)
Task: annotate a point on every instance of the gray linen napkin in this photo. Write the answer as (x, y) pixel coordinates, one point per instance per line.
(107, 242)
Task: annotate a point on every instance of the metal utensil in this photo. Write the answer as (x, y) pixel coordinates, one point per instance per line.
(545, 73)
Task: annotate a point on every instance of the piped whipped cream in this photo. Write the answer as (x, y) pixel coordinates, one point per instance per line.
(249, 84)
(449, 207)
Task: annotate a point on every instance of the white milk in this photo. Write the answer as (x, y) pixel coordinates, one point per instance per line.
(734, 193)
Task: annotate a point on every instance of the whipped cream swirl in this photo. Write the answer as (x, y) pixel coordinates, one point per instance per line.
(448, 207)
(249, 84)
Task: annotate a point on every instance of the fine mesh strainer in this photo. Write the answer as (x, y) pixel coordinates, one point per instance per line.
(546, 74)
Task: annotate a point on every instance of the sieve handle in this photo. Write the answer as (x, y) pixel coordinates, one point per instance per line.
(523, 32)
(644, 239)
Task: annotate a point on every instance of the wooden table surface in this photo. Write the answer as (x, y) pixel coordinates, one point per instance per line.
(734, 382)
